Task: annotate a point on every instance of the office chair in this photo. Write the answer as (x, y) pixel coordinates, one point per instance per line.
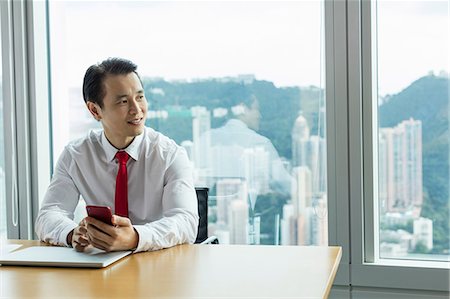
(202, 235)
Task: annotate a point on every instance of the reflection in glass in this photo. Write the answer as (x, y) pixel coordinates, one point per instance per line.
(258, 197)
(243, 165)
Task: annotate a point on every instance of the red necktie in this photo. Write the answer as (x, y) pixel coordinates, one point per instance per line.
(121, 199)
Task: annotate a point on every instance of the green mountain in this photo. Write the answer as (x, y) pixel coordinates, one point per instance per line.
(426, 99)
(274, 102)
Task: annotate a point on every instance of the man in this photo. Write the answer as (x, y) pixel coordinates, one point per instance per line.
(236, 141)
(251, 161)
(141, 174)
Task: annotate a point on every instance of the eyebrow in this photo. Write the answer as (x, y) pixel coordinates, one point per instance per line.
(120, 96)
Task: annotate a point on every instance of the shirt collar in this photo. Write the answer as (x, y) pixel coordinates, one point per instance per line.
(236, 123)
(132, 149)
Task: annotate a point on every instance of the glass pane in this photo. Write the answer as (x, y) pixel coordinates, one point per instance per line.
(2, 157)
(413, 136)
(245, 98)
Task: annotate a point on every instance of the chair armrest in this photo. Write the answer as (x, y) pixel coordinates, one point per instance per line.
(211, 240)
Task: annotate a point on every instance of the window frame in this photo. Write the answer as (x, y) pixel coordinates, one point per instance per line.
(362, 119)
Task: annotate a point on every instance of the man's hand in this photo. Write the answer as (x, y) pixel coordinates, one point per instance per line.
(121, 236)
(78, 237)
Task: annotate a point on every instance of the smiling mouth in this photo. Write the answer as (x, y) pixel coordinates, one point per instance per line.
(135, 121)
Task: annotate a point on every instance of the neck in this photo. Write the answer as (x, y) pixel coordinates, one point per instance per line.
(119, 143)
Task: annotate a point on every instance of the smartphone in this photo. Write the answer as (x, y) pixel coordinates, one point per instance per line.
(101, 213)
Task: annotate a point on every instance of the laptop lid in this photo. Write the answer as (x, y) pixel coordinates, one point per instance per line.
(53, 256)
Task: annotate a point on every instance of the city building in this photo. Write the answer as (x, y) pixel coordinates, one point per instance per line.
(423, 232)
(400, 167)
(201, 123)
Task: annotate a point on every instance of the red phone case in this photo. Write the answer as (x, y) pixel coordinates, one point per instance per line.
(101, 213)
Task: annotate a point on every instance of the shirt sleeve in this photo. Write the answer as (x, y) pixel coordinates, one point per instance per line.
(179, 223)
(55, 219)
(281, 180)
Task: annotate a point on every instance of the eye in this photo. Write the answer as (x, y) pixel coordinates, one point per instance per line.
(122, 100)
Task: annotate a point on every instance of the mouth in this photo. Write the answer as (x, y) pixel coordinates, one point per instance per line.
(136, 121)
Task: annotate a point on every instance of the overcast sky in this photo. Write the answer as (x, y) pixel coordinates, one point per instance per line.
(276, 41)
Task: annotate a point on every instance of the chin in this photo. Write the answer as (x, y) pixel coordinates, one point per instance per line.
(137, 131)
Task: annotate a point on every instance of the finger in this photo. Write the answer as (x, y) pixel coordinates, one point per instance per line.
(83, 222)
(81, 248)
(83, 240)
(98, 224)
(82, 230)
(95, 234)
(120, 221)
(78, 235)
(100, 245)
(78, 247)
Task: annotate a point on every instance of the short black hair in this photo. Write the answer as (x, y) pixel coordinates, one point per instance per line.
(249, 100)
(93, 89)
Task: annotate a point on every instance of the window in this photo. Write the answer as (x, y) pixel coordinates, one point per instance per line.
(412, 97)
(245, 98)
(389, 104)
(24, 105)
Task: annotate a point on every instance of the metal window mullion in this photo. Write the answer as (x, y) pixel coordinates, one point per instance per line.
(22, 118)
(337, 129)
(358, 209)
(330, 121)
(369, 124)
(9, 118)
(38, 101)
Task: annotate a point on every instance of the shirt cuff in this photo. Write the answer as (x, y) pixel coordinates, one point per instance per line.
(65, 233)
(140, 229)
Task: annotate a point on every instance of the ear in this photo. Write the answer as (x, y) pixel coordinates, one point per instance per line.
(94, 109)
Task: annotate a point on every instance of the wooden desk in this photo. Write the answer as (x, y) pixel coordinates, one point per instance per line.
(186, 271)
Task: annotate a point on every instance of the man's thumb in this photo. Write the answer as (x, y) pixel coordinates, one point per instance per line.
(120, 221)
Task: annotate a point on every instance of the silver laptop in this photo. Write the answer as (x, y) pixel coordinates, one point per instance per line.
(53, 256)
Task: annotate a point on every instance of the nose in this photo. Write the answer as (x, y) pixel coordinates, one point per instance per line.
(134, 107)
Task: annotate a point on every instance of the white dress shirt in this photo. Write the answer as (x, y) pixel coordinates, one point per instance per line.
(228, 144)
(162, 203)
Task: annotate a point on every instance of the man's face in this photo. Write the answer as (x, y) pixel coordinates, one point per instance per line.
(124, 109)
(252, 116)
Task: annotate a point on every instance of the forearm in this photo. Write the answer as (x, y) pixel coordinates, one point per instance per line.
(54, 227)
(55, 219)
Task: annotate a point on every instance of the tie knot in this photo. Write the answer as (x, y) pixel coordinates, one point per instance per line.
(122, 157)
